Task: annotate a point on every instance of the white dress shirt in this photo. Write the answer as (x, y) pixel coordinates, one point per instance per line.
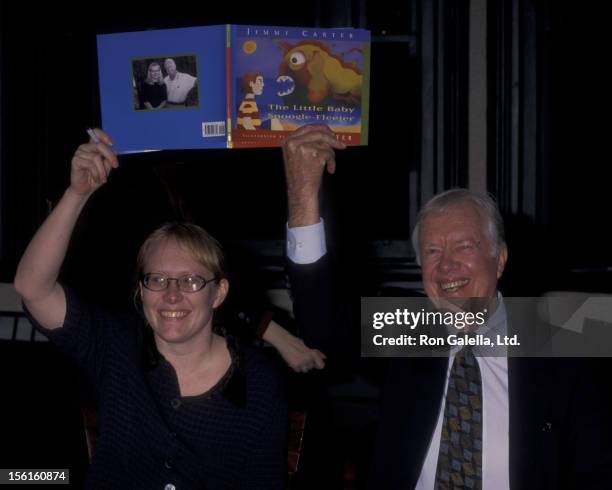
(179, 87)
(307, 244)
(495, 414)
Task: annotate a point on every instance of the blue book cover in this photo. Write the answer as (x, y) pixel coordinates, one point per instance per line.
(231, 86)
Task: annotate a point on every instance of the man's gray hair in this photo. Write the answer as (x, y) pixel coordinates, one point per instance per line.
(456, 197)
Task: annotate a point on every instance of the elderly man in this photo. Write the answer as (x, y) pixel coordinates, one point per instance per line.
(459, 421)
(178, 84)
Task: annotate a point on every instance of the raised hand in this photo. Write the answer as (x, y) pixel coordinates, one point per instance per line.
(38, 270)
(306, 153)
(92, 164)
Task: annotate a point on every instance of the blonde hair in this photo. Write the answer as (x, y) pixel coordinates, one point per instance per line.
(149, 80)
(204, 248)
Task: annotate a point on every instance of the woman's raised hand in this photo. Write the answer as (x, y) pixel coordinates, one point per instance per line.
(92, 163)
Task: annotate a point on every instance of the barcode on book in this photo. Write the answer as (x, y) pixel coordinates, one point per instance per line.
(213, 129)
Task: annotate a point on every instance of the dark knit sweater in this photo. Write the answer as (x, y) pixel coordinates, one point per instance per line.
(232, 437)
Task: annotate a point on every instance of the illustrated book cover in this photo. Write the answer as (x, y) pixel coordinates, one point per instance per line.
(232, 86)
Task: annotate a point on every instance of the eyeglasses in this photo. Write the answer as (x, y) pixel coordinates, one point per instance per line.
(189, 283)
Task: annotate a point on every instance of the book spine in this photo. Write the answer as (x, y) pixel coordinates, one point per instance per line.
(228, 84)
(365, 94)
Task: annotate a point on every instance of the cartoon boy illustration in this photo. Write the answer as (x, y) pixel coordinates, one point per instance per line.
(252, 84)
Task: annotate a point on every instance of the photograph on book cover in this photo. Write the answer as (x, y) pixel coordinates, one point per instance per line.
(284, 78)
(165, 82)
(191, 64)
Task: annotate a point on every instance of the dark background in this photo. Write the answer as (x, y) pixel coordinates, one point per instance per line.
(547, 143)
(237, 195)
(547, 134)
(49, 95)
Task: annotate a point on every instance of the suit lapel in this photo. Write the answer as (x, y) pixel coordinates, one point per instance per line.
(529, 386)
(410, 411)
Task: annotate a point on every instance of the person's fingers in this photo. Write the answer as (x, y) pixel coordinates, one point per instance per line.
(302, 363)
(298, 367)
(319, 353)
(316, 151)
(309, 128)
(318, 359)
(322, 136)
(83, 160)
(103, 136)
(316, 137)
(87, 148)
(87, 168)
(311, 134)
(108, 154)
(80, 154)
(314, 360)
(102, 149)
(326, 154)
(331, 166)
(107, 167)
(98, 170)
(337, 144)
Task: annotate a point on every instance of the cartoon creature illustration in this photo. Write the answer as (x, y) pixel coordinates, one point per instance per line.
(314, 73)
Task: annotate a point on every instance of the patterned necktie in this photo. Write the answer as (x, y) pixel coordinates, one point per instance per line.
(460, 456)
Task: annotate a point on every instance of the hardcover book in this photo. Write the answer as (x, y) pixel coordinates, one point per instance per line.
(232, 86)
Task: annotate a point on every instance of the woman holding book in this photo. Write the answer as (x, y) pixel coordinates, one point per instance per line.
(180, 405)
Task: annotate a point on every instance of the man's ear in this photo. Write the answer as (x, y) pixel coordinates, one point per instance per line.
(502, 257)
(221, 293)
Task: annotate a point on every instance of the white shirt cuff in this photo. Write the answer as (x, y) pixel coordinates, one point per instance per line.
(306, 244)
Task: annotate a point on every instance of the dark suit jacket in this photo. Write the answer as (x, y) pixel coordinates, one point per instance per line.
(559, 429)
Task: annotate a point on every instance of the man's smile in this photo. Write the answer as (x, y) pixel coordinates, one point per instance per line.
(453, 286)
